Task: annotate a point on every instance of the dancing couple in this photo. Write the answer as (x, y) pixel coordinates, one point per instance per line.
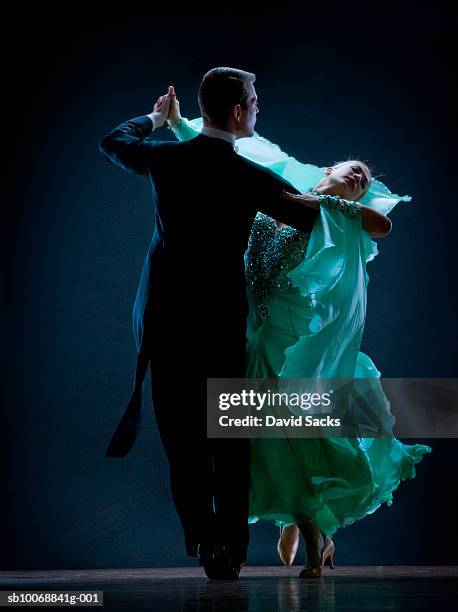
(256, 268)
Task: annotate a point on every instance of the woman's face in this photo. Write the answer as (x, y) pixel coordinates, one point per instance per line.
(348, 179)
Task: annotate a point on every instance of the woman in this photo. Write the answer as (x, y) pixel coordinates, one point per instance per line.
(307, 306)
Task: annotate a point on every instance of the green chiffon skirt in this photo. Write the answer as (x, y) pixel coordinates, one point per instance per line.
(333, 481)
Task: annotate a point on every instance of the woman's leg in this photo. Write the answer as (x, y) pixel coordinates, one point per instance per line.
(288, 543)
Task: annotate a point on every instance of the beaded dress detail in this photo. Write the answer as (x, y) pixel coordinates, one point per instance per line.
(272, 253)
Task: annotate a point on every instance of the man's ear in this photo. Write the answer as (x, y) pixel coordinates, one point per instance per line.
(237, 112)
(328, 170)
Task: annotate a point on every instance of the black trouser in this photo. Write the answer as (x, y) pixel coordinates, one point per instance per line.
(209, 478)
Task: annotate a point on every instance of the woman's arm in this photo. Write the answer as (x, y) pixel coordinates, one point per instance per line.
(180, 126)
(376, 224)
(184, 130)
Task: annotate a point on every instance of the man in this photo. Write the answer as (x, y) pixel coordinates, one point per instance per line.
(190, 310)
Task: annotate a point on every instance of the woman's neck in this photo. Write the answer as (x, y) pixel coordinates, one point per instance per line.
(327, 189)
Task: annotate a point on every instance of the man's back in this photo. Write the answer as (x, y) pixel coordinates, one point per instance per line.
(205, 200)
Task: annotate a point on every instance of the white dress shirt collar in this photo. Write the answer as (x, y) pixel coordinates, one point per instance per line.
(215, 133)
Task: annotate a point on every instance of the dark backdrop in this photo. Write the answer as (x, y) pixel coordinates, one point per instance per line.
(77, 230)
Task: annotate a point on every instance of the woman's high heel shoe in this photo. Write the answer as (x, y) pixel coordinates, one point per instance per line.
(288, 543)
(326, 558)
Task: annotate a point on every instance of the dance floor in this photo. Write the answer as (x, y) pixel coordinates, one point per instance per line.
(262, 589)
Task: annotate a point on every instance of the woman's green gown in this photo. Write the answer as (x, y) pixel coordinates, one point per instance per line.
(307, 308)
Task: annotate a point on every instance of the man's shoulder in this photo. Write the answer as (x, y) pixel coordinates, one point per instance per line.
(260, 173)
(162, 149)
(176, 145)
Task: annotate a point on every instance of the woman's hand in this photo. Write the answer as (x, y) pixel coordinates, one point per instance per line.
(174, 115)
(310, 200)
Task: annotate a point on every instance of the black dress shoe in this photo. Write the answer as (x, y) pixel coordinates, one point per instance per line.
(217, 562)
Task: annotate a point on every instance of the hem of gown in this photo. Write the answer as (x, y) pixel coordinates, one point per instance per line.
(328, 522)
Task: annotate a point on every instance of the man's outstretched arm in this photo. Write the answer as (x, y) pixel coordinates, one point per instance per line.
(128, 145)
(267, 190)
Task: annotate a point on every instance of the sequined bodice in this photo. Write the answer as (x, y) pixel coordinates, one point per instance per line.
(272, 253)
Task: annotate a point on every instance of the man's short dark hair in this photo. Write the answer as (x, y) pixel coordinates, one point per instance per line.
(220, 90)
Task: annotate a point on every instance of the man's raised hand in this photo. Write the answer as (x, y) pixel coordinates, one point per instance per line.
(160, 111)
